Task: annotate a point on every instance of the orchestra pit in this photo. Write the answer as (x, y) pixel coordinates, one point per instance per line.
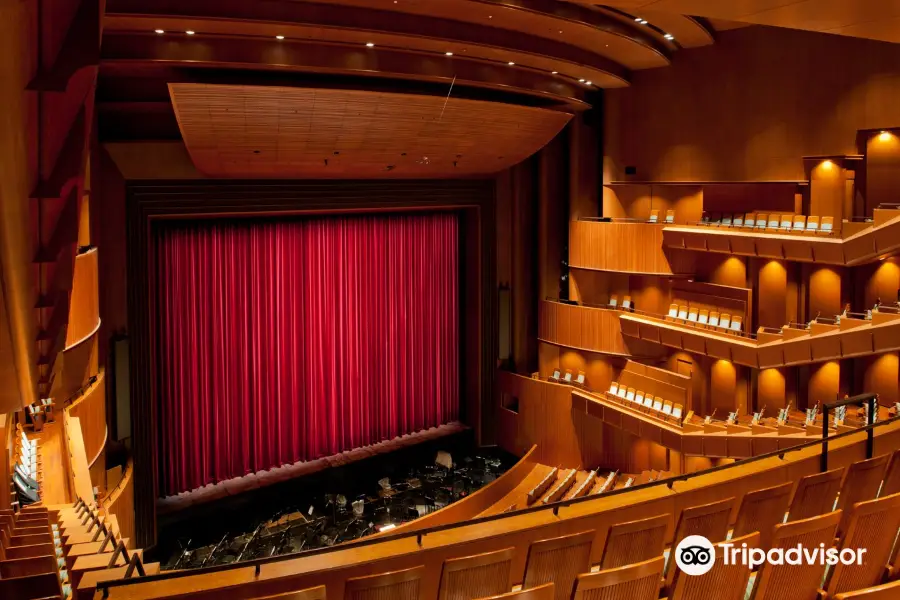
(450, 300)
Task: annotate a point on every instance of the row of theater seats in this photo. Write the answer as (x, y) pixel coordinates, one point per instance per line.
(32, 561)
(654, 406)
(705, 318)
(775, 222)
(857, 507)
(62, 553)
(654, 216)
(569, 378)
(26, 474)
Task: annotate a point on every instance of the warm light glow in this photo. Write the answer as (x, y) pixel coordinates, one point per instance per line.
(553, 72)
(510, 63)
(189, 32)
(279, 37)
(638, 19)
(448, 53)
(884, 136)
(827, 165)
(643, 21)
(587, 83)
(370, 45)
(581, 81)
(669, 36)
(387, 527)
(160, 31)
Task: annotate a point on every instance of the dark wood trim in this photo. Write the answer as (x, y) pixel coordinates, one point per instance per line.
(147, 201)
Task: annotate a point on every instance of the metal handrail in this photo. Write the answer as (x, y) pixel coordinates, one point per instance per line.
(554, 507)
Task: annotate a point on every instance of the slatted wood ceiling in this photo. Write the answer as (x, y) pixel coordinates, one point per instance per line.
(255, 131)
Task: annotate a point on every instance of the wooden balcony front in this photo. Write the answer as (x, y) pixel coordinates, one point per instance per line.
(593, 329)
(786, 347)
(861, 243)
(625, 247)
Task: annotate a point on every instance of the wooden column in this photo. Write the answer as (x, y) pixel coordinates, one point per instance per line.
(831, 181)
(584, 169)
(552, 221)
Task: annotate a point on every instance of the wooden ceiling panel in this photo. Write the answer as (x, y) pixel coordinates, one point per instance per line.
(255, 131)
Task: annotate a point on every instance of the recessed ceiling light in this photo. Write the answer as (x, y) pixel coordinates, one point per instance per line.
(560, 30)
(448, 53)
(279, 37)
(581, 81)
(189, 32)
(554, 72)
(490, 16)
(643, 21)
(510, 63)
(587, 83)
(669, 36)
(638, 19)
(160, 31)
(370, 45)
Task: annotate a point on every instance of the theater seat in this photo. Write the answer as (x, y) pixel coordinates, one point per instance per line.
(634, 541)
(402, 585)
(477, 576)
(558, 560)
(544, 592)
(638, 581)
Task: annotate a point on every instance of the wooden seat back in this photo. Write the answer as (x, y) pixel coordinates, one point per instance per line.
(888, 591)
(35, 586)
(891, 484)
(815, 494)
(761, 511)
(559, 560)
(316, 593)
(872, 525)
(709, 520)
(722, 582)
(797, 582)
(544, 592)
(631, 582)
(861, 483)
(402, 585)
(26, 567)
(634, 541)
(477, 576)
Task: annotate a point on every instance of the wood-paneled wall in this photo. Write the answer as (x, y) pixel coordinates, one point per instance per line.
(84, 306)
(120, 502)
(90, 408)
(751, 106)
(638, 200)
(624, 247)
(582, 327)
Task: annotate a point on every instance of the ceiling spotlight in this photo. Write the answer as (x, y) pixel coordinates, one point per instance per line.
(279, 37)
(587, 83)
(643, 21)
(581, 81)
(884, 136)
(370, 45)
(554, 72)
(510, 63)
(638, 19)
(490, 16)
(448, 53)
(669, 36)
(189, 32)
(160, 31)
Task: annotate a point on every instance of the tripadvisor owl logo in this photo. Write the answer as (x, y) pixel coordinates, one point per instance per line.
(695, 555)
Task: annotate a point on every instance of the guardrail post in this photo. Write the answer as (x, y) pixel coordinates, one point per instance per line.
(870, 434)
(823, 459)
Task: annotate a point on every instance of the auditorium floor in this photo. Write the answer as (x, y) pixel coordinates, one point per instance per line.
(317, 511)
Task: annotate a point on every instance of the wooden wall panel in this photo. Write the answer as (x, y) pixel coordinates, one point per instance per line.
(882, 168)
(624, 247)
(84, 307)
(828, 189)
(824, 291)
(594, 329)
(599, 369)
(90, 408)
(120, 502)
(824, 384)
(772, 293)
(636, 201)
(880, 374)
(696, 121)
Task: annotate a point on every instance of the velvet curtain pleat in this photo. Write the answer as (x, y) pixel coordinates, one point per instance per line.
(282, 341)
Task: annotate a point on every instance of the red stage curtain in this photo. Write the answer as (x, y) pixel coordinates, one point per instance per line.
(291, 340)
